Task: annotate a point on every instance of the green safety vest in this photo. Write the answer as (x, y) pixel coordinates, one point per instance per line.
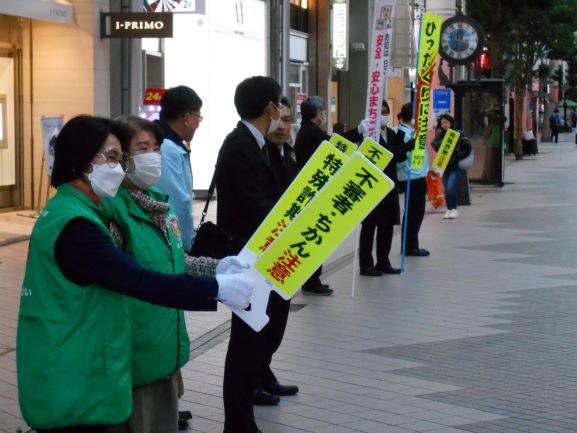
(160, 342)
(72, 357)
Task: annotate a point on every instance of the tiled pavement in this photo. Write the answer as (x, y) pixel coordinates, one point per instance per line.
(479, 337)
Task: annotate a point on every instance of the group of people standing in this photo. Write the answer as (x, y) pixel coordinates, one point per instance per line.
(101, 331)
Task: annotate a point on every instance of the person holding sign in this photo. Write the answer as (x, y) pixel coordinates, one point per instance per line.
(387, 213)
(73, 350)
(418, 190)
(284, 167)
(247, 191)
(451, 174)
(311, 134)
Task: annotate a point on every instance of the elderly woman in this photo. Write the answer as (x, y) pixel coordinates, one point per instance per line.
(145, 226)
(452, 172)
(73, 344)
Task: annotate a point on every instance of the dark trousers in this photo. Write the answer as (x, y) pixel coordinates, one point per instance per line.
(416, 208)
(384, 240)
(315, 279)
(451, 185)
(555, 134)
(249, 352)
(76, 429)
(279, 309)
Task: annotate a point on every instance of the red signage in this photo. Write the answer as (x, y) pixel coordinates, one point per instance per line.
(152, 96)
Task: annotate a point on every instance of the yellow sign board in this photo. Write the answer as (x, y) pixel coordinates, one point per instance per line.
(446, 150)
(321, 166)
(428, 51)
(344, 145)
(321, 226)
(375, 153)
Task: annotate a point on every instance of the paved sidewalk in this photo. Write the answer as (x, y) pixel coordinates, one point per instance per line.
(479, 337)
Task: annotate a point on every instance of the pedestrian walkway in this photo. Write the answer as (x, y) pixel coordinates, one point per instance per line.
(479, 337)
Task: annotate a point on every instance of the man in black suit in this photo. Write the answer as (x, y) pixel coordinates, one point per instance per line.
(284, 167)
(387, 213)
(247, 190)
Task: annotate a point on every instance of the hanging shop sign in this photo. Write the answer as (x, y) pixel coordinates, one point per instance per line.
(136, 25)
(340, 35)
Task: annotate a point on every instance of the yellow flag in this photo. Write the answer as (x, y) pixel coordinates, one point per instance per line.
(428, 51)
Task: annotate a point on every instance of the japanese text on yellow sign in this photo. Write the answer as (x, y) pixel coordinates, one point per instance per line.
(322, 165)
(344, 145)
(375, 153)
(428, 50)
(446, 150)
(338, 208)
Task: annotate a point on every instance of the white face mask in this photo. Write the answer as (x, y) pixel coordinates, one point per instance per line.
(105, 180)
(146, 170)
(275, 123)
(323, 121)
(384, 121)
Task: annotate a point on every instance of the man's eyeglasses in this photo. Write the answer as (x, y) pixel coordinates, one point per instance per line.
(113, 158)
(200, 118)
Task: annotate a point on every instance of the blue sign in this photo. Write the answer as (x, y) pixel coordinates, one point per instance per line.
(442, 99)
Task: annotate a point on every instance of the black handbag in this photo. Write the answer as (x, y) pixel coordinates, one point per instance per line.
(211, 240)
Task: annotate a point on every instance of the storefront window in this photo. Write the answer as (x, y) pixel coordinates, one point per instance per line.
(299, 15)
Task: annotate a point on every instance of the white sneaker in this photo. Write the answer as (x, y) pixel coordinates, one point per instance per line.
(447, 215)
(453, 213)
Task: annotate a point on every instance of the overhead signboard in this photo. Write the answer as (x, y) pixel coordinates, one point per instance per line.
(136, 25)
(340, 35)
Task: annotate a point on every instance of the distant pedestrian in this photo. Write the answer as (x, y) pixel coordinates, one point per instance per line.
(452, 172)
(554, 125)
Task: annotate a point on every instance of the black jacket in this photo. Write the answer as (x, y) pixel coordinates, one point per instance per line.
(245, 184)
(310, 137)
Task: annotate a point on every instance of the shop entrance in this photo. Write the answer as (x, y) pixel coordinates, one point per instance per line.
(11, 183)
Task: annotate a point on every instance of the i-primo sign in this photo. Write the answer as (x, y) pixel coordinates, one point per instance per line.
(139, 25)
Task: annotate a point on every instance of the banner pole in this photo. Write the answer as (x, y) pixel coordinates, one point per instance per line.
(356, 260)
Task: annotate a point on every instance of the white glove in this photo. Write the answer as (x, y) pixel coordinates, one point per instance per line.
(230, 265)
(234, 290)
(364, 126)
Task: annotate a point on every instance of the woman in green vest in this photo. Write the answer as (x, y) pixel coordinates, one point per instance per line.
(145, 226)
(73, 351)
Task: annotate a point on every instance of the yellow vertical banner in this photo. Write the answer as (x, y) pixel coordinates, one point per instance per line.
(342, 144)
(446, 150)
(318, 170)
(321, 226)
(428, 51)
(375, 153)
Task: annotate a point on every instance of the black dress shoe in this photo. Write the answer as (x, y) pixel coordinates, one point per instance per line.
(260, 397)
(278, 389)
(321, 290)
(370, 272)
(388, 270)
(419, 252)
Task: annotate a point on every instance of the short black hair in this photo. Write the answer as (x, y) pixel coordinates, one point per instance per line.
(177, 101)
(130, 125)
(447, 116)
(386, 104)
(284, 101)
(253, 94)
(407, 112)
(77, 144)
(311, 106)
